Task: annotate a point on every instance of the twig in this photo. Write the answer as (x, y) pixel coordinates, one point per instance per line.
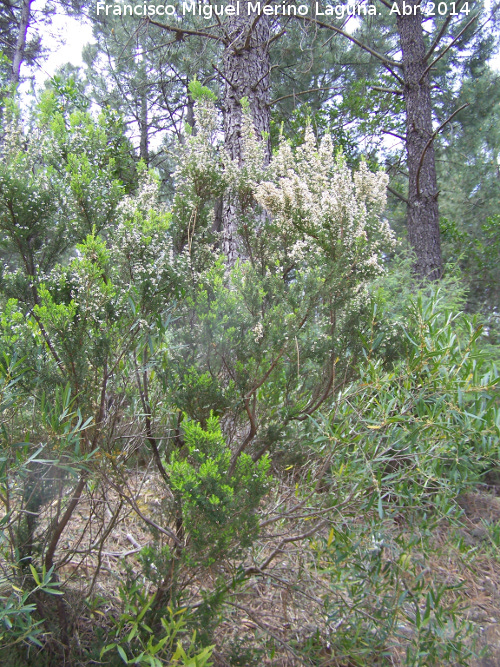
(438, 38)
(223, 76)
(263, 627)
(293, 538)
(133, 541)
(143, 392)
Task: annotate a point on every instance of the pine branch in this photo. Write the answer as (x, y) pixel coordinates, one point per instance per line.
(180, 32)
(303, 92)
(452, 43)
(398, 195)
(393, 134)
(439, 37)
(387, 90)
(375, 54)
(434, 135)
(392, 73)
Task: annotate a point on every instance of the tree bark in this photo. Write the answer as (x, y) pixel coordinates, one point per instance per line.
(246, 74)
(144, 128)
(18, 56)
(422, 208)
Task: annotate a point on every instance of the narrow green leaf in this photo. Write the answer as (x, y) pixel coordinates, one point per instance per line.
(122, 653)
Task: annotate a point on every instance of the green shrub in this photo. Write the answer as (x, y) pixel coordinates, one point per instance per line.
(218, 508)
(403, 444)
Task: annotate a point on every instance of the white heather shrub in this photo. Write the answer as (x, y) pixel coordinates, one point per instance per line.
(315, 206)
(261, 344)
(321, 207)
(203, 167)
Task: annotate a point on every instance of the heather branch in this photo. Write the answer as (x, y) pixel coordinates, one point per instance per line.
(59, 528)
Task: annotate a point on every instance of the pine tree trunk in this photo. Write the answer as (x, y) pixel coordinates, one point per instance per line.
(246, 73)
(18, 55)
(144, 128)
(422, 211)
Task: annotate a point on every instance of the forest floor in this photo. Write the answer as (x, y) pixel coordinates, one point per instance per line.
(284, 608)
(481, 575)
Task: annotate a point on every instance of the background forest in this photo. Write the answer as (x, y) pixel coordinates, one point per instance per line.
(249, 324)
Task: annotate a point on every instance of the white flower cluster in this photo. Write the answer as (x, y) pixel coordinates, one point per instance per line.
(253, 169)
(317, 211)
(203, 169)
(144, 200)
(319, 205)
(90, 293)
(142, 247)
(258, 331)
